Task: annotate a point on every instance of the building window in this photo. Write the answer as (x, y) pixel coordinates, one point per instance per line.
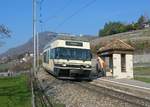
(123, 63)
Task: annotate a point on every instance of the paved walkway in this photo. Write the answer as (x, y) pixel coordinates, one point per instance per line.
(129, 82)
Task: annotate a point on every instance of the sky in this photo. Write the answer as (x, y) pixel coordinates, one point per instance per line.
(67, 16)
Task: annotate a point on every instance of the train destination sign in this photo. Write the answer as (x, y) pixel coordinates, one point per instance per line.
(74, 43)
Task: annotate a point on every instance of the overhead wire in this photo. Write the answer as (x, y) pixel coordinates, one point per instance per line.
(40, 15)
(74, 14)
(42, 22)
(59, 11)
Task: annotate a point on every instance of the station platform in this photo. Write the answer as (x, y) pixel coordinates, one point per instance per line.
(127, 86)
(128, 82)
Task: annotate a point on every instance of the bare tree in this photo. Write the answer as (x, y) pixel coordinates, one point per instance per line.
(4, 31)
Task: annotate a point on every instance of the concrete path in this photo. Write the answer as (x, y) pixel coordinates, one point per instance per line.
(129, 82)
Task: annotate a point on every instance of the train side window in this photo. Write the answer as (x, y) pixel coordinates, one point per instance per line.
(51, 54)
(47, 56)
(56, 53)
(44, 57)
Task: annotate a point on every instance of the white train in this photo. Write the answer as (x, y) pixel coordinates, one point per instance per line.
(68, 59)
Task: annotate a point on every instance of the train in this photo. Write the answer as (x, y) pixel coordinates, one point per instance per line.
(68, 59)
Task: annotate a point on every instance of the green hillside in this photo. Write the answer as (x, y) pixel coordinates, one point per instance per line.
(139, 39)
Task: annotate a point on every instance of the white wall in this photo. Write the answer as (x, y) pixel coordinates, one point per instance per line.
(129, 65)
(116, 65)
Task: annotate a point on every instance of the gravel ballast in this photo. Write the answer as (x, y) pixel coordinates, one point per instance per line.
(72, 94)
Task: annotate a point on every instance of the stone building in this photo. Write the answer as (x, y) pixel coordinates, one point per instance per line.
(118, 57)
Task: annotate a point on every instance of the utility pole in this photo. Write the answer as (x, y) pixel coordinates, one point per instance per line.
(34, 53)
(34, 34)
(38, 55)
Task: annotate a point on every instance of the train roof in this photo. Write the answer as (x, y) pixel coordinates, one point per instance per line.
(74, 38)
(69, 38)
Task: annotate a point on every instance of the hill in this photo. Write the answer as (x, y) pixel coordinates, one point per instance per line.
(44, 38)
(139, 39)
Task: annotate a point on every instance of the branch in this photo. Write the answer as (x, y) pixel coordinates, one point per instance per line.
(4, 31)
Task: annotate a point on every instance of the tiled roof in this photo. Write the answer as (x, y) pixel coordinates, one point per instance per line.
(116, 44)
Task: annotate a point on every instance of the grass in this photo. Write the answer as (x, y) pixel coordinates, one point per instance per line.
(143, 79)
(142, 74)
(142, 71)
(14, 92)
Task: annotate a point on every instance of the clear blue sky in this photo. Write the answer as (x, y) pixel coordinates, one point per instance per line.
(17, 15)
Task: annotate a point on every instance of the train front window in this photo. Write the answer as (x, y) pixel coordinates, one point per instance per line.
(72, 53)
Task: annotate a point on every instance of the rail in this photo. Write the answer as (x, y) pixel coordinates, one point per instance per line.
(117, 94)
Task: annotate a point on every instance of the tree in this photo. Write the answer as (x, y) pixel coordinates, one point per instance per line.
(130, 27)
(4, 31)
(112, 28)
(141, 21)
(118, 27)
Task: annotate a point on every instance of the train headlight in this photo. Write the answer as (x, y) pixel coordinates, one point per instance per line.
(87, 66)
(64, 65)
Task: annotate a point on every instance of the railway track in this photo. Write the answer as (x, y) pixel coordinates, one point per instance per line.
(99, 88)
(137, 101)
(44, 100)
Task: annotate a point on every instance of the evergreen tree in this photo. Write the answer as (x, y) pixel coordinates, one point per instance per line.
(118, 27)
(141, 21)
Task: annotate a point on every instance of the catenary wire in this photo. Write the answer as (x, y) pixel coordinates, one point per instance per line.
(74, 14)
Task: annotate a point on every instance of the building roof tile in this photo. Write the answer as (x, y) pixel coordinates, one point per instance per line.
(116, 45)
